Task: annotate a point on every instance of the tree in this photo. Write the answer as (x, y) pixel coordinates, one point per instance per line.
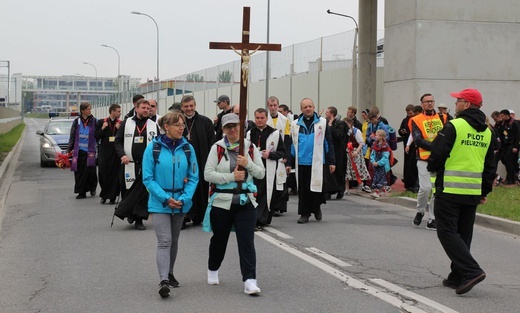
(225, 76)
(194, 78)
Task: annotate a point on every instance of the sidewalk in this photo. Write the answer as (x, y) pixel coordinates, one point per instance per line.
(483, 220)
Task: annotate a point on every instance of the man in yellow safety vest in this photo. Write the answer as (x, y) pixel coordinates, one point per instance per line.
(462, 157)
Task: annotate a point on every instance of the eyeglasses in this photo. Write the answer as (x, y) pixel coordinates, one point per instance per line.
(229, 126)
(179, 125)
(460, 100)
(429, 101)
(153, 106)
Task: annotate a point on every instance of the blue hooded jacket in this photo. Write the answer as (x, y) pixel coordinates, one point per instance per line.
(171, 177)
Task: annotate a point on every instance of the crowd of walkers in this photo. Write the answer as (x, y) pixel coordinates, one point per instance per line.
(185, 169)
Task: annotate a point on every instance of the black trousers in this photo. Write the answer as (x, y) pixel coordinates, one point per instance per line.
(85, 177)
(455, 232)
(243, 218)
(410, 172)
(510, 162)
(308, 201)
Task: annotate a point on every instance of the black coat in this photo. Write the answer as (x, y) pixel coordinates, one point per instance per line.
(200, 133)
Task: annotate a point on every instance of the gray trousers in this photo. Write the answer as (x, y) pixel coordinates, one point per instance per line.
(167, 229)
(425, 189)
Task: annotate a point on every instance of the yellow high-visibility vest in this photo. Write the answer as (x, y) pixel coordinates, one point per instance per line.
(464, 167)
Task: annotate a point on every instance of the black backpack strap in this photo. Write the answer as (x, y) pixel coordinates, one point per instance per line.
(187, 152)
(156, 150)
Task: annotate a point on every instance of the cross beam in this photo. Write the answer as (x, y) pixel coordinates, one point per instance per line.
(243, 49)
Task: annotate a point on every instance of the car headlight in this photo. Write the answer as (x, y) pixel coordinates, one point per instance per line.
(46, 144)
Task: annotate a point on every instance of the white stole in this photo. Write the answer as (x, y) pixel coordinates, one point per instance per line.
(272, 172)
(128, 141)
(317, 152)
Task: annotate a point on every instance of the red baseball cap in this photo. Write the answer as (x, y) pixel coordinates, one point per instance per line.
(473, 96)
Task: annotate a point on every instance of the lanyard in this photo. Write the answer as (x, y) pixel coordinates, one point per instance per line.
(84, 123)
(139, 131)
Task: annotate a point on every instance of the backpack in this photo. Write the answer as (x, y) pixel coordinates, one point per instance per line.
(392, 142)
(221, 153)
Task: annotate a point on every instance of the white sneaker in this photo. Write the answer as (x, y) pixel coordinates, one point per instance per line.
(375, 194)
(213, 277)
(250, 287)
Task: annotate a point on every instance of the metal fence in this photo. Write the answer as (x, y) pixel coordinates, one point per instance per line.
(322, 54)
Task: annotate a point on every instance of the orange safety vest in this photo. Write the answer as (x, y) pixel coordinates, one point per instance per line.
(429, 125)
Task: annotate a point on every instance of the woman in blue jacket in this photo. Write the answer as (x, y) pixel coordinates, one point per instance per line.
(171, 175)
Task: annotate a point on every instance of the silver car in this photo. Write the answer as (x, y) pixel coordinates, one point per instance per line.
(54, 139)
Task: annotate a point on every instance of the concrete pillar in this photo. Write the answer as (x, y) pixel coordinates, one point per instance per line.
(367, 53)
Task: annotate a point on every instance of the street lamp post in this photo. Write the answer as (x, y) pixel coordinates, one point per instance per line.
(267, 61)
(95, 69)
(118, 72)
(157, 27)
(354, 59)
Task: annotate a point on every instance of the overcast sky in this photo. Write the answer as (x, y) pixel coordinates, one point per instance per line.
(55, 37)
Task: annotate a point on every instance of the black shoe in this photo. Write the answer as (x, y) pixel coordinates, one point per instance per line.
(259, 227)
(130, 220)
(112, 202)
(467, 285)
(450, 284)
(431, 225)
(340, 195)
(139, 225)
(303, 219)
(318, 216)
(418, 219)
(81, 196)
(93, 193)
(164, 289)
(172, 281)
(327, 196)
(277, 214)
(102, 201)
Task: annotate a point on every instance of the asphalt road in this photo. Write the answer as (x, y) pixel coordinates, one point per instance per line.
(59, 254)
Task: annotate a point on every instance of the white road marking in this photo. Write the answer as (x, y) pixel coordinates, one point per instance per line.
(350, 281)
(328, 257)
(278, 233)
(412, 295)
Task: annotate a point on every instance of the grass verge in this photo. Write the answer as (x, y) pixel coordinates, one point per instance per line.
(503, 202)
(9, 140)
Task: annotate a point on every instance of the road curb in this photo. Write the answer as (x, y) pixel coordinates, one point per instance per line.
(483, 220)
(7, 162)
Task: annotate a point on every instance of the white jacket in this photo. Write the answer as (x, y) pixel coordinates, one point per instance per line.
(220, 174)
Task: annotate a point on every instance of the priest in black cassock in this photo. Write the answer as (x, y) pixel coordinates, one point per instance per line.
(134, 134)
(108, 160)
(200, 133)
(269, 190)
(339, 132)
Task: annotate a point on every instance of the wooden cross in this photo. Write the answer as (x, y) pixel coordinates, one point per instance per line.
(242, 49)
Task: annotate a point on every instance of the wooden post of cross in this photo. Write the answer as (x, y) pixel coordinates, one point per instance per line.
(242, 49)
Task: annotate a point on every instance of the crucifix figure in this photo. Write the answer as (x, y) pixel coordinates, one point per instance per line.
(242, 49)
(246, 56)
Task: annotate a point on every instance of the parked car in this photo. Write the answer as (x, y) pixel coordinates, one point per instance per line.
(54, 139)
